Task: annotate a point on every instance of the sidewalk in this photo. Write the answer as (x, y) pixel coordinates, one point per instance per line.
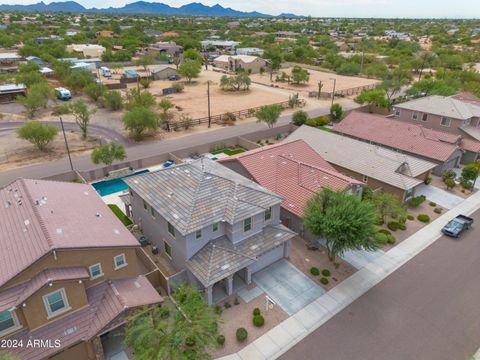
(291, 331)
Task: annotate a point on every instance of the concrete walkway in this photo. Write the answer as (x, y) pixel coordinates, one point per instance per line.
(440, 196)
(291, 331)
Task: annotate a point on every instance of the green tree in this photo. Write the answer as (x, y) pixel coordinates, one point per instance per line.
(166, 116)
(348, 68)
(299, 117)
(300, 75)
(394, 81)
(193, 54)
(431, 86)
(136, 98)
(108, 153)
(190, 69)
(343, 220)
(269, 114)
(336, 112)
(78, 80)
(94, 91)
(29, 78)
(374, 97)
(82, 115)
(238, 82)
(139, 119)
(469, 176)
(37, 133)
(36, 98)
(144, 61)
(387, 205)
(185, 330)
(113, 100)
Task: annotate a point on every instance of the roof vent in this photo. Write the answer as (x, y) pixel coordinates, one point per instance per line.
(116, 231)
(98, 215)
(59, 231)
(27, 222)
(175, 216)
(137, 284)
(253, 247)
(277, 235)
(225, 267)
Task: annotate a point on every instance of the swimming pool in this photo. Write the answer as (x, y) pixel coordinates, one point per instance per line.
(107, 187)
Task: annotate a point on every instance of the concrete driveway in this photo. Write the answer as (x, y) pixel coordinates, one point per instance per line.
(291, 289)
(441, 197)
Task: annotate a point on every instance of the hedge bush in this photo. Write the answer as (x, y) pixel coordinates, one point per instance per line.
(314, 271)
(256, 311)
(391, 239)
(423, 218)
(326, 272)
(241, 334)
(258, 320)
(410, 217)
(381, 238)
(414, 202)
(393, 225)
(384, 231)
(437, 210)
(402, 226)
(324, 281)
(227, 305)
(432, 204)
(220, 339)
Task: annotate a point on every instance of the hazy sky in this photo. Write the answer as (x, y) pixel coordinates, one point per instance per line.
(340, 8)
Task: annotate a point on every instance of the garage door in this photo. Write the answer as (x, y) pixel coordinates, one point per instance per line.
(267, 259)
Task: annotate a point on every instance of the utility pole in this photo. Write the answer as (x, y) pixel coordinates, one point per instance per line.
(361, 65)
(320, 85)
(66, 144)
(333, 92)
(208, 96)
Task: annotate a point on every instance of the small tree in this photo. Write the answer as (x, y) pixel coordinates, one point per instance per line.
(449, 183)
(343, 220)
(269, 114)
(82, 115)
(375, 97)
(238, 82)
(138, 98)
(192, 54)
(37, 133)
(108, 153)
(336, 112)
(78, 80)
(300, 75)
(144, 61)
(469, 176)
(113, 100)
(387, 205)
(35, 99)
(190, 69)
(166, 116)
(140, 119)
(299, 117)
(94, 91)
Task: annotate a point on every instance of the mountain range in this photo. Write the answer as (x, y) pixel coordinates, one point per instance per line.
(140, 7)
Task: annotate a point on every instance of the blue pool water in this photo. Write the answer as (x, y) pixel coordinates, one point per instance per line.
(108, 187)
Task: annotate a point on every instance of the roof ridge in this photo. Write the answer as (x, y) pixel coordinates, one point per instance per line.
(233, 251)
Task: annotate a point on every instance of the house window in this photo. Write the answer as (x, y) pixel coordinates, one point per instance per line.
(152, 211)
(466, 122)
(198, 234)
(445, 122)
(215, 227)
(268, 214)
(365, 178)
(397, 112)
(171, 229)
(168, 249)
(424, 117)
(96, 271)
(414, 115)
(145, 206)
(56, 303)
(247, 224)
(119, 261)
(409, 194)
(8, 322)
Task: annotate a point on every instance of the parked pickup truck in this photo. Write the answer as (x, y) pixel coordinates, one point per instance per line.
(455, 226)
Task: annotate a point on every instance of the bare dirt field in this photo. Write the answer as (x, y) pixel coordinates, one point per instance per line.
(342, 82)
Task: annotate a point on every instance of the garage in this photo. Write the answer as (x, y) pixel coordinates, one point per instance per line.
(268, 258)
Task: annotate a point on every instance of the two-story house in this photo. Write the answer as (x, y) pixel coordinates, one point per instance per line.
(215, 226)
(69, 271)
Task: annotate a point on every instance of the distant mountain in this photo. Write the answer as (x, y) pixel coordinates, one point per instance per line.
(140, 7)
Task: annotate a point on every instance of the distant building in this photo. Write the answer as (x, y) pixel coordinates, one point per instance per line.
(250, 51)
(219, 44)
(169, 34)
(9, 92)
(165, 47)
(105, 34)
(9, 62)
(233, 63)
(162, 72)
(72, 32)
(87, 50)
(42, 39)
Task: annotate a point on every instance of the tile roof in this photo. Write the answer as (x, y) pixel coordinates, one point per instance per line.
(470, 145)
(411, 138)
(107, 301)
(472, 131)
(38, 216)
(220, 257)
(192, 195)
(388, 166)
(16, 295)
(443, 106)
(293, 170)
(464, 96)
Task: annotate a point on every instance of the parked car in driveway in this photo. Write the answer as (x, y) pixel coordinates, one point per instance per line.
(457, 225)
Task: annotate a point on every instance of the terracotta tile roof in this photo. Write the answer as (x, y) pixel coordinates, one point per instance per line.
(410, 138)
(16, 295)
(38, 216)
(293, 170)
(107, 301)
(464, 96)
(470, 145)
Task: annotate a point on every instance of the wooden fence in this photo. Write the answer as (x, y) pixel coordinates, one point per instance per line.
(346, 92)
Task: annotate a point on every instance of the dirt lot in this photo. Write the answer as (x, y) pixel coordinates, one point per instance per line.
(343, 82)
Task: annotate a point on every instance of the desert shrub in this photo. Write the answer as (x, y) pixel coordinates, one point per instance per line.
(61, 110)
(311, 122)
(324, 281)
(423, 218)
(236, 301)
(220, 340)
(391, 239)
(410, 217)
(448, 174)
(402, 226)
(218, 309)
(314, 271)
(179, 87)
(326, 272)
(299, 117)
(241, 334)
(381, 238)
(416, 201)
(227, 305)
(393, 225)
(256, 311)
(384, 231)
(428, 180)
(379, 221)
(432, 204)
(279, 136)
(323, 120)
(258, 320)
(164, 312)
(437, 210)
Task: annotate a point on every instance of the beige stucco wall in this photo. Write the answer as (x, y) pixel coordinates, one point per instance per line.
(433, 121)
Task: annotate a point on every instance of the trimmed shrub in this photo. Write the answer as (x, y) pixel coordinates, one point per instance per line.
(241, 334)
(423, 218)
(381, 238)
(256, 311)
(410, 217)
(227, 305)
(414, 202)
(437, 210)
(402, 226)
(299, 117)
(391, 239)
(432, 204)
(311, 122)
(379, 221)
(324, 281)
(218, 309)
(220, 340)
(384, 231)
(428, 180)
(393, 225)
(258, 320)
(326, 272)
(314, 271)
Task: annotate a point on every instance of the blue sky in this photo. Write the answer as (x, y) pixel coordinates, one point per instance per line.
(339, 8)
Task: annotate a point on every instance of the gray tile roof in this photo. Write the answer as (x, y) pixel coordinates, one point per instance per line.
(221, 258)
(193, 195)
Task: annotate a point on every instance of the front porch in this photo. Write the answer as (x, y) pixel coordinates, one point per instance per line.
(228, 286)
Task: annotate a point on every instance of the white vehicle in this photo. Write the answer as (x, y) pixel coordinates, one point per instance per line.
(63, 94)
(106, 71)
